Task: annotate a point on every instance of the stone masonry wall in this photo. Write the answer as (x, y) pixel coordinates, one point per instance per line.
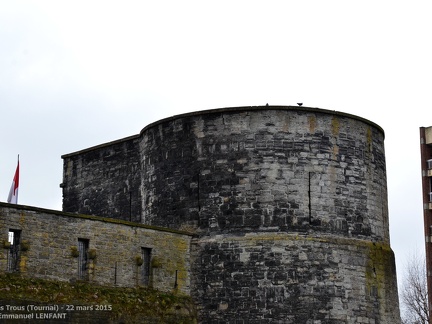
(290, 208)
(236, 169)
(104, 181)
(266, 170)
(51, 235)
(288, 278)
(253, 180)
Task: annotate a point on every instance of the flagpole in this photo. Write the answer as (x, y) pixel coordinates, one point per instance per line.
(18, 180)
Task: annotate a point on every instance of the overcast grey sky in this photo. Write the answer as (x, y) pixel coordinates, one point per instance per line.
(77, 74)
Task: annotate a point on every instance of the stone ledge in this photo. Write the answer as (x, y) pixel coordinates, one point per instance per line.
(278, 236)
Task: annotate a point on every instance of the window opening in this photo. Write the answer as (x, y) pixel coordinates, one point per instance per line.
(14, 238)
(146, 256)
(83, 246)
(430, 189)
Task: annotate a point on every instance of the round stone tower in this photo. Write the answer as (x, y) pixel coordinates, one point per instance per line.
(290, 208)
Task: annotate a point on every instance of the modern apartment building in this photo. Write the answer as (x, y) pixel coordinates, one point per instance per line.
(426, 166)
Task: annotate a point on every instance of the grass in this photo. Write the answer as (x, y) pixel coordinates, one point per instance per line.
(131, 305)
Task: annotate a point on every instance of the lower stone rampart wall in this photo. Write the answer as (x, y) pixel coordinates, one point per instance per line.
(48, 249)
(288, 278)
(265, 277)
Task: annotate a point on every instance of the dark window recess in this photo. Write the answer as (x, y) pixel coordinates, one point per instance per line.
(430, 189)
(83, 246)
(14, 239)
(146, 256)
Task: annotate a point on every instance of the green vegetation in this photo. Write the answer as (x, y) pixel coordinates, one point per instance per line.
(335, 126)
(130, 305)
(380, 267)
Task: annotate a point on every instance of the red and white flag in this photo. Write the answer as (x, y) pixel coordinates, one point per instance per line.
(13, 193)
